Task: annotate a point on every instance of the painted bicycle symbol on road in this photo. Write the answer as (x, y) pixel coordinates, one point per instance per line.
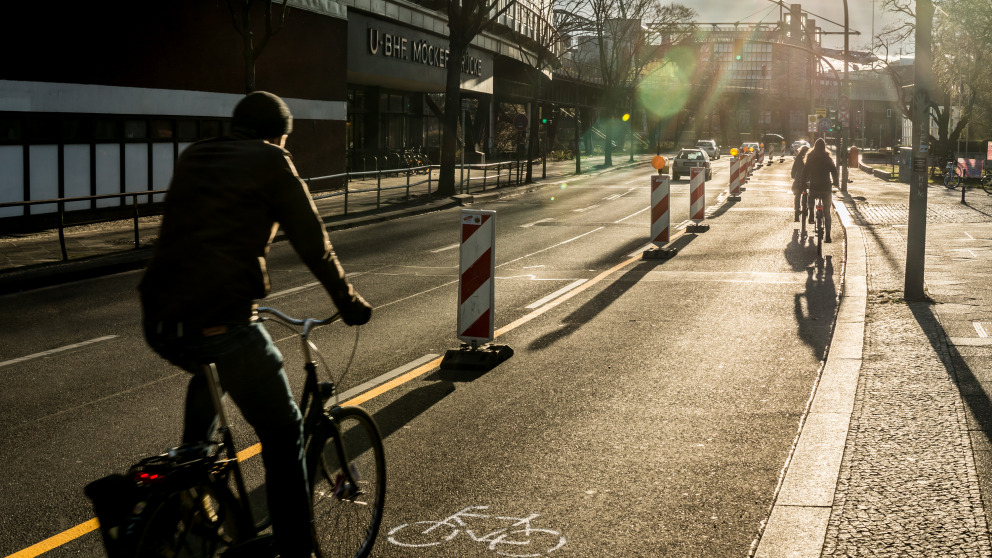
(518, 539)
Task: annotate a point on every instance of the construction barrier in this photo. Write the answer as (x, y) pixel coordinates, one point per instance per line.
(476, 265)
(735, 177)
(697, 200)
(660, 215)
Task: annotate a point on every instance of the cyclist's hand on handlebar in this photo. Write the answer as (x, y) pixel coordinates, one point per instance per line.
(356, 312)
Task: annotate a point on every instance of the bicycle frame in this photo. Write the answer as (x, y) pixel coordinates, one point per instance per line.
(316, 425)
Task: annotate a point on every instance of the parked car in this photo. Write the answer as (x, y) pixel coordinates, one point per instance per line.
(710, 147)
(797, 145)
(746, 146)
(688, 158)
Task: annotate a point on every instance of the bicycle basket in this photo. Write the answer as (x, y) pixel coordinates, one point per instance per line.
(120, 501)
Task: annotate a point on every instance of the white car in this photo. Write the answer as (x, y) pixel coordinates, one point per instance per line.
(710, 147)
(797, 145)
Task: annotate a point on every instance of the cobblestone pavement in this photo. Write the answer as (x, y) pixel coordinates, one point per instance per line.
(910, 483)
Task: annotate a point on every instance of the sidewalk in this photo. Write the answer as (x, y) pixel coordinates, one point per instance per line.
(35, 260)
(894, 456)
(915, 479)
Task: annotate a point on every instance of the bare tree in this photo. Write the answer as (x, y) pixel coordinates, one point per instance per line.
(241, 16)
(466, 20)
(962, 79)
(625, 35)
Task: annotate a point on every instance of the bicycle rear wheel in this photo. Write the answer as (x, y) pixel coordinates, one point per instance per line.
(347, 517)
(819, 231)
(194, 523)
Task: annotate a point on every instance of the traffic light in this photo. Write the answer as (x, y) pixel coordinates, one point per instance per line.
(545, 120)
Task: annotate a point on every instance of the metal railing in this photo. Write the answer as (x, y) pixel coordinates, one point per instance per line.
(61, 203)
(412, 181)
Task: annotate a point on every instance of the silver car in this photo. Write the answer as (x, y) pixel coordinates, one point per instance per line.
(710, 147)
(687, 159)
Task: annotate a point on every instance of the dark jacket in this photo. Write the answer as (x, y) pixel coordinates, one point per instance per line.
(798, 185)
(818, 170)
(227, 199)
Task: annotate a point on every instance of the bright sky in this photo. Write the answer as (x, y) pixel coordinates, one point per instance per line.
(753, 11)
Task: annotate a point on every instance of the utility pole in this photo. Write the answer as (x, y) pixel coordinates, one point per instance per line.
(846, 125)
(917, 234)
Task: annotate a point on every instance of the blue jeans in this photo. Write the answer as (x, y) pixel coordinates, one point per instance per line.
(250, 369)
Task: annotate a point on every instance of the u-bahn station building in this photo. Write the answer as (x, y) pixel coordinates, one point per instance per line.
(101, 98)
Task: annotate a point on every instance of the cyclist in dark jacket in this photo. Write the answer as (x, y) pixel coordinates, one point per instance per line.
(820, 172)
(227, 199)
(798, 185)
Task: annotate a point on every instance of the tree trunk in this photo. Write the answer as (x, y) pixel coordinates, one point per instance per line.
(449, 124)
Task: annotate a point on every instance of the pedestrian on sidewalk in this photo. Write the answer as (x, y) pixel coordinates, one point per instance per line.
(227, 198)
(799, 185)
(820, 172)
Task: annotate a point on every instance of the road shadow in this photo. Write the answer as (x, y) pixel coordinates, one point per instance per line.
(597, 304)
(410, 405)
(816, 306)
(726, 206)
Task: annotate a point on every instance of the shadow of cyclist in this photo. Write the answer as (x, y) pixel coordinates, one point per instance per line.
(815, 308)
(797, 253)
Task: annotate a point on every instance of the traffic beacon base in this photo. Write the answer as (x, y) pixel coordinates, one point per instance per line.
(700, 228)
(659, 253)
(475, 358)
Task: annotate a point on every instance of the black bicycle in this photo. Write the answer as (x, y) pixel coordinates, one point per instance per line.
(182, 503)
(820, 226)
(953, 175)
(985, 181)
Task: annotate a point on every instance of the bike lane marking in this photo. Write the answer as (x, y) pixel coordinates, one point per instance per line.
(92, 524)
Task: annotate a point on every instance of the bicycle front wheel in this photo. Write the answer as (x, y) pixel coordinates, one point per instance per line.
(347, 516)
(987, 184)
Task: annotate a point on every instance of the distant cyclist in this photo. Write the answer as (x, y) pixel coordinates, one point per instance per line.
(820, 172)
(227, 199)
(799, 186)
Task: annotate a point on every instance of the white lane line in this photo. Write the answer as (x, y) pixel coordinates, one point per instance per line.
(972, 254)
(632, 215)
(555, 294)
(444, 248)
(58, 350)
(613, 197)
(305, 286)
(550, 247)
(376, 382)
(586, 208)
(969, 236)
(980, 329)
(528, 225)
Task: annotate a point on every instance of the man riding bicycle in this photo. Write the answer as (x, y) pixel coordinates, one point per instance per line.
(227, 199)
(818, 170)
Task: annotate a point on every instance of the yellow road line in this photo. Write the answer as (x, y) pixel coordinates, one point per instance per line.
(58, 540)
(91, 525)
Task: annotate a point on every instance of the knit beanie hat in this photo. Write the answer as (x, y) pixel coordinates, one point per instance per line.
(262, 115)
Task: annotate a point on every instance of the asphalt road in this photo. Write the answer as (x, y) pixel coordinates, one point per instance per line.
(648, 410)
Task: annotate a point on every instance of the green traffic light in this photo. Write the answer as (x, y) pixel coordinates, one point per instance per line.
(544, 121)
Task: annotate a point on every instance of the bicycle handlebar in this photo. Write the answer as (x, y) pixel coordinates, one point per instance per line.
(307, 323)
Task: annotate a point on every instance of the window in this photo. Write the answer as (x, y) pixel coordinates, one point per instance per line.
(10, 128)
(163, 129)
(135, 129)
(106, 129)
(186, 129)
